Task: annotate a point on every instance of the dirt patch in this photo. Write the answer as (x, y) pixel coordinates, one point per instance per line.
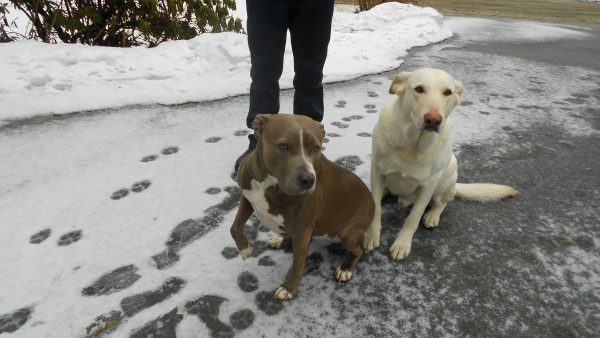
(562, 11)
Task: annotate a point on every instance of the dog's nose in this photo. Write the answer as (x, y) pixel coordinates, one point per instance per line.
(433, 119)
(306, 180)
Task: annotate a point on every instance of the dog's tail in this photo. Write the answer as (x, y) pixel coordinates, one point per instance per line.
(484, 192)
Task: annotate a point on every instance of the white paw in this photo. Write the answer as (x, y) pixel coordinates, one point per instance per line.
(275, 242)
(371, 240)
(342, 275)
(246, 252)
(401, 248)
(283, 294)
(431, 220)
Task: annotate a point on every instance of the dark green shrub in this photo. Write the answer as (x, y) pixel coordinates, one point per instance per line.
(4, 24)
(126, 23)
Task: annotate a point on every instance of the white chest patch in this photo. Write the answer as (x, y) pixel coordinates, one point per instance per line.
(256, 196)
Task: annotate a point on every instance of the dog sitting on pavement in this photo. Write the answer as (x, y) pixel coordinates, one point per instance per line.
(298, 193)
(413, 158)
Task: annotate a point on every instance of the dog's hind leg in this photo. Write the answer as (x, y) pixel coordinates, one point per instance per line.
(406, 201)
(276, 242)
(444, 193)
(343, 273)
(432, 217)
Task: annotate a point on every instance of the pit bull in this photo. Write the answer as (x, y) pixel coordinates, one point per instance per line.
(298, 193)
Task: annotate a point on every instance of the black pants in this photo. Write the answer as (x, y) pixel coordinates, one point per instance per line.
(309, 23)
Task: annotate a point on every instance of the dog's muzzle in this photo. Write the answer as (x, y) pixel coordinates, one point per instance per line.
(432, 121)
(305, 181)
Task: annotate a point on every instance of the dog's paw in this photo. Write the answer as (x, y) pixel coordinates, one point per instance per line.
(275, 242)
(342, 275)
(431, 219)
(371, 239)
(246, 252)
(283, 294)
(401, 248)
(405, 202)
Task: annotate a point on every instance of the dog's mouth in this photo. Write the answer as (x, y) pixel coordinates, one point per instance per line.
(296, 191)
(431, 128)
(298, 188)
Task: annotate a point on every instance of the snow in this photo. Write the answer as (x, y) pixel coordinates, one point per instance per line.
(42, 79)
(479, 29)
(60, 174)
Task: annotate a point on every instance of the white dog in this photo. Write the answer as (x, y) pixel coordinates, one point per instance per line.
(412, 155)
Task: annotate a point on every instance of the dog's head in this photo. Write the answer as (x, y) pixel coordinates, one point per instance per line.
(290, 148)
(428, 95)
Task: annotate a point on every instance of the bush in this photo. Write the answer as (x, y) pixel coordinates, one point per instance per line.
(124, 23)
(4, 24)
(365, 5)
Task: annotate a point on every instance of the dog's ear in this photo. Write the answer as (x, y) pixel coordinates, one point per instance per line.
(259, 123)
(322, 129)
(458, 89)
(399, 82)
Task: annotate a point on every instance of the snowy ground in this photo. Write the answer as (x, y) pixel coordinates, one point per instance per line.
(79, 257)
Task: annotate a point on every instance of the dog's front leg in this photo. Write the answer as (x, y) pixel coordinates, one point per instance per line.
(237, 228)
(289, 288)
(371, 240)
(401, 246)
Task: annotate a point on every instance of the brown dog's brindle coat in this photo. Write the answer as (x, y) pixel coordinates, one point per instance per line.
(288, 154)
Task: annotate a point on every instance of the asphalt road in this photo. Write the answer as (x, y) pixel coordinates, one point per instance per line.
(523, 267)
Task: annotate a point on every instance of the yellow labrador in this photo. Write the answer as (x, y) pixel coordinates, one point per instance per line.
(412, 155)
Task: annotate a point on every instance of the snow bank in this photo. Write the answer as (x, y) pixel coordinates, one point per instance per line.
(41, 79)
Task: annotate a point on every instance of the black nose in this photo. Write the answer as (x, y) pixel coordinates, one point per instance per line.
(306, 180)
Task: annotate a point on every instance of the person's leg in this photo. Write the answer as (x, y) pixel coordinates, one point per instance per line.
(267, 28)
(310, 30)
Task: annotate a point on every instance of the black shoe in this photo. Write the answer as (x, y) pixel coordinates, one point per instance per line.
(251, 147)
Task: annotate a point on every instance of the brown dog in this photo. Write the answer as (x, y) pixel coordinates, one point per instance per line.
(298, 193)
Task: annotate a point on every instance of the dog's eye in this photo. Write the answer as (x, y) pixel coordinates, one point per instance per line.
(284, 147)
(316, 148)
(420, 89)
(447, 92)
